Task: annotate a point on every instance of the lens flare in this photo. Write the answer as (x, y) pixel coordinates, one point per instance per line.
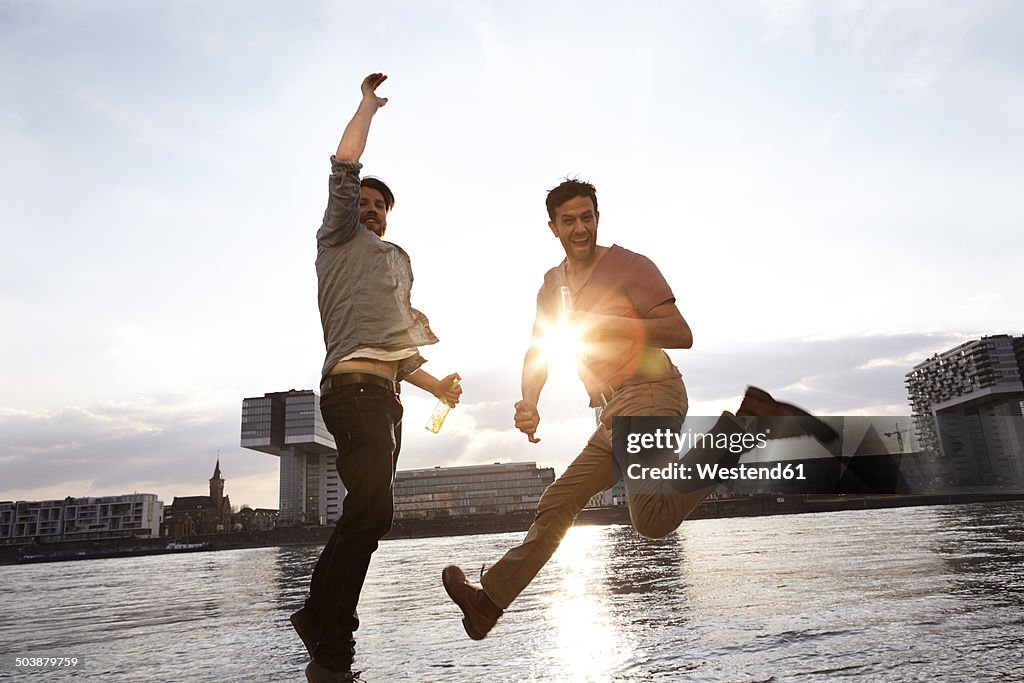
(561, 343)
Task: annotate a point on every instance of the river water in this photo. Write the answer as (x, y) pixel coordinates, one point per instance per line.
(881, 595)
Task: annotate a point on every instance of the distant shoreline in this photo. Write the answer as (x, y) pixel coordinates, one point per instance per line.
(744, 506)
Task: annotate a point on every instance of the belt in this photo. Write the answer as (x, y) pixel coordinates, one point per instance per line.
(335, 382)
(608, 393)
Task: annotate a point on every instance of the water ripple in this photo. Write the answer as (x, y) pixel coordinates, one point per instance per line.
(876, 595)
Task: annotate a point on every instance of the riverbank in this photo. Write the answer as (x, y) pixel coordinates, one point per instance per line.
(741, 506)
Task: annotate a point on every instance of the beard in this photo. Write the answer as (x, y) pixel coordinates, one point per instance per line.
(374, 223)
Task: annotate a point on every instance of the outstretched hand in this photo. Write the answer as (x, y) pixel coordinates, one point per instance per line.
(369, 89)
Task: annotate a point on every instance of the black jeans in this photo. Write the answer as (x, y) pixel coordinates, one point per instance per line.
(366, 422)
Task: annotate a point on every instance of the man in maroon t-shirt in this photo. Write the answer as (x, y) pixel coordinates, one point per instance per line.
(626, 315)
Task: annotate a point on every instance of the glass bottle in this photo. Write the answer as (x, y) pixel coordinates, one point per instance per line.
(441, 411)
(567, 307)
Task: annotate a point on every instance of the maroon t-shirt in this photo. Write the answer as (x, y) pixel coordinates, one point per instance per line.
(623, 284)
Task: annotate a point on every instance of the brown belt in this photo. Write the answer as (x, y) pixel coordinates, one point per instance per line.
(335, 382)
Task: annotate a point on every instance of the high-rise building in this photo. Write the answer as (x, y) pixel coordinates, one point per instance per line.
(288, 424)
(968, 406)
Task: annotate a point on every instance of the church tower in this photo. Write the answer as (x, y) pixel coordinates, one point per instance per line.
(216, 486)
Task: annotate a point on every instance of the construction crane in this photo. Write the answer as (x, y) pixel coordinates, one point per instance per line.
(898, 433)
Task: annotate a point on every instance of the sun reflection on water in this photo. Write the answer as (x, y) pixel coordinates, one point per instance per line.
(587, 645)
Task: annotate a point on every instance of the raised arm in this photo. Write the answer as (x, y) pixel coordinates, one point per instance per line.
(353, 140)
(341, 219)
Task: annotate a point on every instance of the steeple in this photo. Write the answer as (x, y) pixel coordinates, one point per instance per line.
(217, 482)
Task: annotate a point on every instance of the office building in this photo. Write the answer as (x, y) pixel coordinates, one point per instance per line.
(74, 519)
(288, 424)
(968, 407)
(470, 490)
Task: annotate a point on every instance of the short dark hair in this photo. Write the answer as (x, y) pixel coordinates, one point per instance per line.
(378, 184)
(569, 188)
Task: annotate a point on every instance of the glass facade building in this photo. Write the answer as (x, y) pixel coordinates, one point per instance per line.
(288, 424)
(470, 490)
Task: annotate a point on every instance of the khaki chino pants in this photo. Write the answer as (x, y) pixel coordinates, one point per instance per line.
(653, 514)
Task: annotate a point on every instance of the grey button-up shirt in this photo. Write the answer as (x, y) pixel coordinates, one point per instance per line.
(363, 283)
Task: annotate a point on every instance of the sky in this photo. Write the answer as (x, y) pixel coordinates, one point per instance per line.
(831, 190)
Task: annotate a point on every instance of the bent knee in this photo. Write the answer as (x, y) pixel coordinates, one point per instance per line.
(655, 528)
(366, 531)
(656, 516)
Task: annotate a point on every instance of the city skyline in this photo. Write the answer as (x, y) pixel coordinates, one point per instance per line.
(829, 190)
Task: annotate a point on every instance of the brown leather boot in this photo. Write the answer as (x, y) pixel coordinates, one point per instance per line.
(480, 614)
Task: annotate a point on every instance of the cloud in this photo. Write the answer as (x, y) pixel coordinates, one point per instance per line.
(166, 445)
(168, 168)
(832, 376)
(152, 445)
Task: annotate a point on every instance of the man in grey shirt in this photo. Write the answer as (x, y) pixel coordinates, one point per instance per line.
(372, 334)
